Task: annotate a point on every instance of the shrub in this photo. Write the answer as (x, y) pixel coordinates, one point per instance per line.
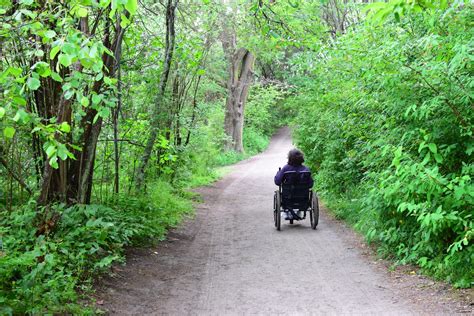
(389, 132)
(41, 274)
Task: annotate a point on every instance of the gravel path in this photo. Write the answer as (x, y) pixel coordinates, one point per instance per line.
(230, 260)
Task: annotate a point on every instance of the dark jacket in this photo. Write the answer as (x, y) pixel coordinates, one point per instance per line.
(279, 175)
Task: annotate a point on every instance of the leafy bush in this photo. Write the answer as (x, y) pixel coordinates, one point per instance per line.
(255, 141)
(263, 110)
(388, 125)
(41, 274)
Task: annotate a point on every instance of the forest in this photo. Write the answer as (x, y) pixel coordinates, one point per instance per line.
(112, 110)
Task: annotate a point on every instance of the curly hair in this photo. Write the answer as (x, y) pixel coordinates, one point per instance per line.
(295, 157)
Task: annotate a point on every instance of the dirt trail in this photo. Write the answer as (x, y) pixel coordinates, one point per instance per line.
(230, 260)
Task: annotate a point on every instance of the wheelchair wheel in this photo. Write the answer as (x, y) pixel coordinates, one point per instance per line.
(276, 211)
(275, 208)
(314, 213)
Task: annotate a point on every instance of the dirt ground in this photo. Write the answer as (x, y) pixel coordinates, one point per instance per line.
(230, 260)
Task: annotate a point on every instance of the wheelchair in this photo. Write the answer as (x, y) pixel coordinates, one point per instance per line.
(295, 194)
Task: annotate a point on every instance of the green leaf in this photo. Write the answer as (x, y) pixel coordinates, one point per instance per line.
(107, 80)
(81, 12)
(68, 94)
(33, 83)
(104, 112)
(19, 101)
(470, 148)
(70, 49)
(50, 151)
(85, 101)
(96, 117)
(131, 6)
(42, 69)
(124, 21)
(54, 51)
(104, 3)
(53, 162)
(75, 147)
(70, 155)
(65, 60)
(426, 159)
(9, 132)
(49, 34)
(99, 76)
(96, 98)
(62, 152)
(21, 116)
(438, 158)
(433, 148)
(56, 77)
(2, 112)
(422, 145)
(65, 127)
(397, 16)
(15, 71)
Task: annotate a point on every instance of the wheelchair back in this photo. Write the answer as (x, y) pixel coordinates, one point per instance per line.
(295, 190)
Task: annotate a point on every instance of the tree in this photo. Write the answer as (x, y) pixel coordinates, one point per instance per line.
(155, 122)
(240, 71)
(66, 54)
(71, 181)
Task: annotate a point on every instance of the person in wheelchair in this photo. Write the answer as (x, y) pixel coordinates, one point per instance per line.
(296, 174)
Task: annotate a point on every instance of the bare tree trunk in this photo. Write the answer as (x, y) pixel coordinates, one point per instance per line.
(118, 55)
(170, 42)
(240, 78)
(240, 66)
(193, 117)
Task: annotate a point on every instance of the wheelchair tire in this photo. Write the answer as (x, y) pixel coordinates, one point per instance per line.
(274, 208)
(314, 214)
(276, 211)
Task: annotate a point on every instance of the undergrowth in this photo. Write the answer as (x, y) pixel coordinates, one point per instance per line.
(52, 273)
(46, 273)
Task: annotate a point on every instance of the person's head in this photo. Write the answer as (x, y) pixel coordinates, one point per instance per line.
(295, 157)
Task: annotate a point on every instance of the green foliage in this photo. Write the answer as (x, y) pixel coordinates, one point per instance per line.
(255, 141)
(263, 112)
(54, 47)
(71, 97)
(387, 124)
(41, 274)
(263, 115)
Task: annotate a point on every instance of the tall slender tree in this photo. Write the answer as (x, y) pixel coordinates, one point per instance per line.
(171, 6)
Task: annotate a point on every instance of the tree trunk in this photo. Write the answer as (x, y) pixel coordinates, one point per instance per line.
(240, 66)
(72, 181)
(116, 113)
(240, 78)
(155, 119)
